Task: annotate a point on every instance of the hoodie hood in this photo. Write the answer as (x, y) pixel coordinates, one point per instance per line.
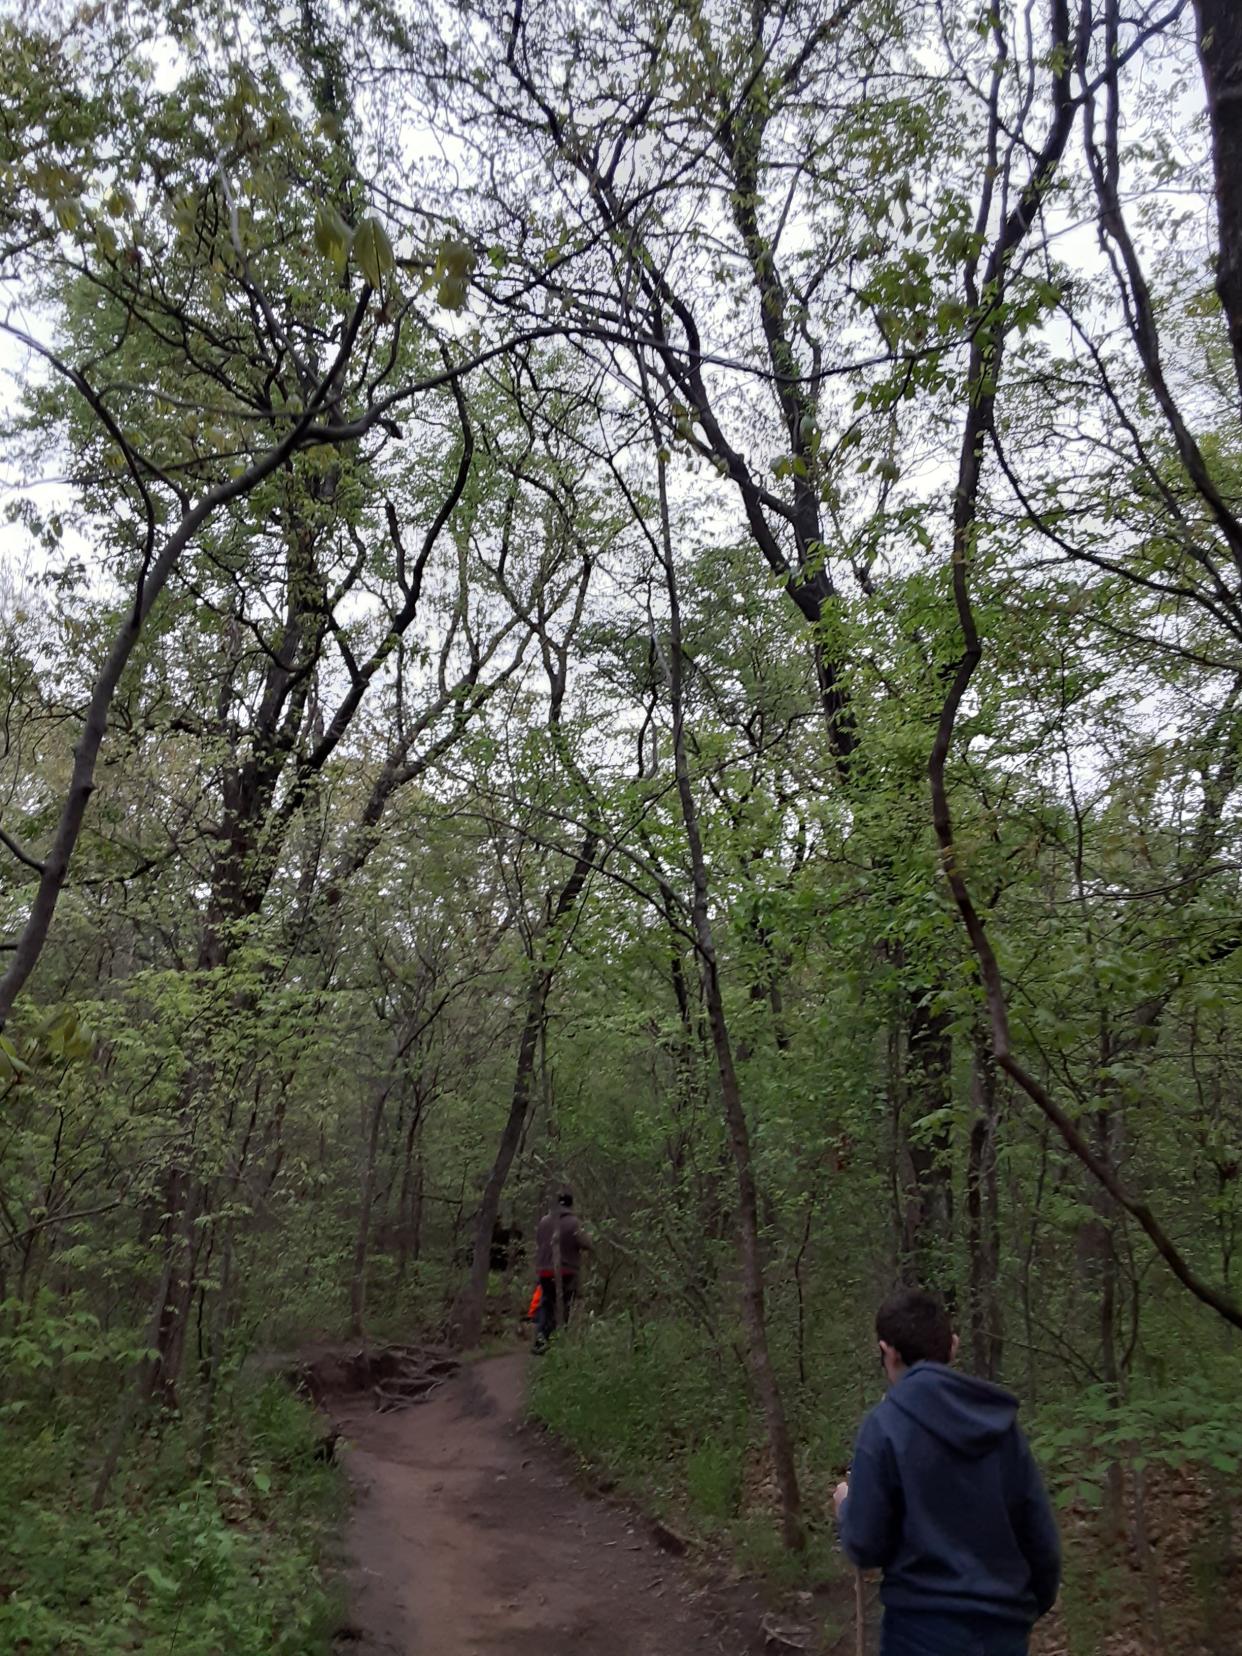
(966, 1414)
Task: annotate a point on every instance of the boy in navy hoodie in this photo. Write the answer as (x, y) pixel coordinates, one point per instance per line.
(945, 1497)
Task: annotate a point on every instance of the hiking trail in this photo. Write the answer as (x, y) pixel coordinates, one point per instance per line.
(469, 1538)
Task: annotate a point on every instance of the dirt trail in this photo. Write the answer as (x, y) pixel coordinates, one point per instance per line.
(467, 1539)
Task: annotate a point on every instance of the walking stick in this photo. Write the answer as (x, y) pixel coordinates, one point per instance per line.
(860, 1616)
(860, 1605)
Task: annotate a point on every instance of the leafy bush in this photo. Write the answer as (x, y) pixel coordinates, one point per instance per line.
(1195, 1423)
(223, 1561)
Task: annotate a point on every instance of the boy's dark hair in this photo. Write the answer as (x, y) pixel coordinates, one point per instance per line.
(916, 1324)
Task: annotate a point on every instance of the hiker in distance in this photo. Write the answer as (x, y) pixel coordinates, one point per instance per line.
(559, 1246)
(945, 1497)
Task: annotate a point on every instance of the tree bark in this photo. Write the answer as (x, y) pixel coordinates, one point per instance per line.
(409, 1207)
(986, 1336)
(1220, 54)
(366, 1200)
(927, 1230)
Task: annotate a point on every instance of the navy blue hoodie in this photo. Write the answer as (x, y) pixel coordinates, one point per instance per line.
(946, 1499)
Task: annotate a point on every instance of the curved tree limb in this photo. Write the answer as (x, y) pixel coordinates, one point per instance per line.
(153, 577)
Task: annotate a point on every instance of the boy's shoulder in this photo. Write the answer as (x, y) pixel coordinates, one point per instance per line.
(880, 1421)
(967, 1415)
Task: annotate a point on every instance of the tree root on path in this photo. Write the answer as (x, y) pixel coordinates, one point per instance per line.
(394, 1376)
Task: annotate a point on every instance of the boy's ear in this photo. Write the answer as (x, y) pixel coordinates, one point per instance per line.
(954, 1347)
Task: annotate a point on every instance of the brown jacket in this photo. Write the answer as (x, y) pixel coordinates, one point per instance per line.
(572, 1244)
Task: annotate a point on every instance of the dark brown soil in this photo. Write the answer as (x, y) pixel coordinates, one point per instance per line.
(469, 1539)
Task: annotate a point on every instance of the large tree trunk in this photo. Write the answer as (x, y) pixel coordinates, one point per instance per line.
(1220, 53)
(927, 1231)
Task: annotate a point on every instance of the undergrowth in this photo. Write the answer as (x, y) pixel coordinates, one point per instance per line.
(654, 1408)
(199, 1555)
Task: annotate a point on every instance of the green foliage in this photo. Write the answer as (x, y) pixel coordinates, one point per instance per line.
(651, 1405)
(312, 918)
(373, 251)
(760, 1552)
(714, 1481)
(1192, 1424)
(225, 1559)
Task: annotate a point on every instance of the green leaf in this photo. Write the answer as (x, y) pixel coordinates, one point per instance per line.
(333, 236)
(451, 293)
(68, 211)
(373, 250)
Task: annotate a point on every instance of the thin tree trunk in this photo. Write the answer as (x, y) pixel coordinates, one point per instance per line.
(215, 1353)
(183, 1240)
(409, 1198)
(762, 1368)
(763, 1371)
(1034, 1220)
(468, 1312)
(799, 1261)
(900, 1171)
(928, 1229)
(1101, 1248)
(366, 1200)
(983, 1218)
(135, 1394)
(416, 1211)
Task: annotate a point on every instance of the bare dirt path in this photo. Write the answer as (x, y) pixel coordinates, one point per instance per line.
(468, 1539)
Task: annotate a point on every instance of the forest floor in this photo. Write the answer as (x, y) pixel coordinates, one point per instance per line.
(470, 1537)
